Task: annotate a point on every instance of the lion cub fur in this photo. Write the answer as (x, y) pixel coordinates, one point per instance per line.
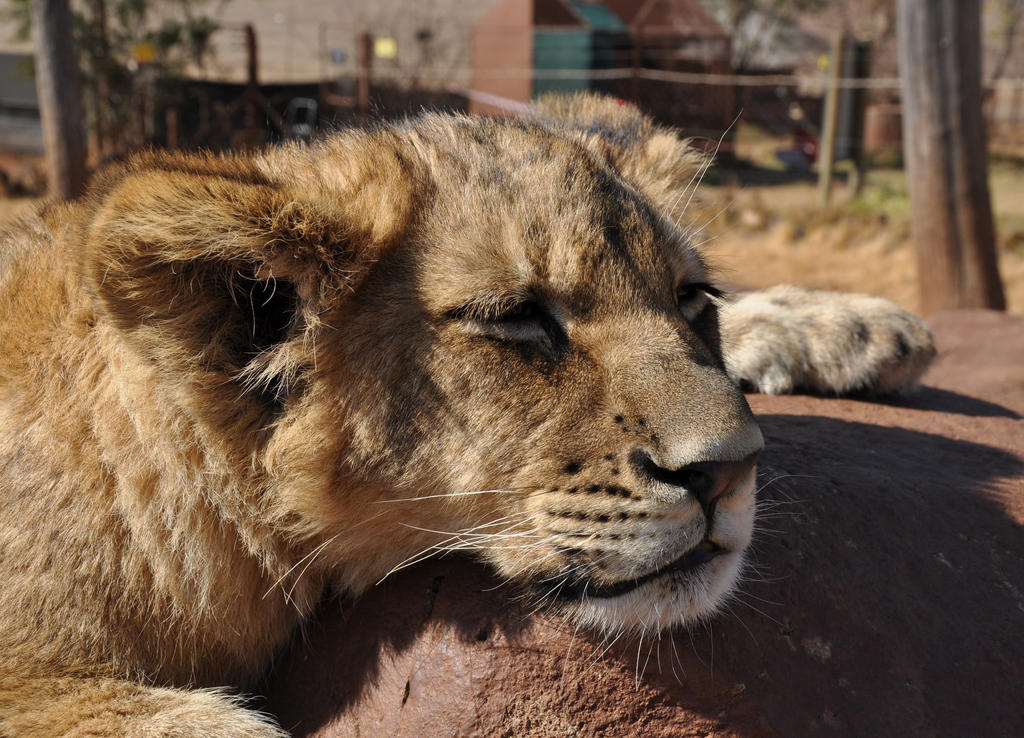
(213, 368)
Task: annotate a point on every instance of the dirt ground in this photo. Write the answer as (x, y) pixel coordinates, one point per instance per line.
(765, 228)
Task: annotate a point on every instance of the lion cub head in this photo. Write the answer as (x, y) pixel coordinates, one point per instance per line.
(451, 334)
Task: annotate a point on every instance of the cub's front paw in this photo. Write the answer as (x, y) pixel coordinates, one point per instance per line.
(788, 339)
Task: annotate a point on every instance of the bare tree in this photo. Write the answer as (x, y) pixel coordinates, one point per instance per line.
(59, 104)
(1009, 14)
(944, 148)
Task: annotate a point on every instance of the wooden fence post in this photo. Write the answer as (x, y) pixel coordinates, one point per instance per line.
(826, 157)
(364, 62)
(60, 105)
(945, 157)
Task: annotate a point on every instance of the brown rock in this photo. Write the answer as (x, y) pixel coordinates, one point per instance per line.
(886, 596)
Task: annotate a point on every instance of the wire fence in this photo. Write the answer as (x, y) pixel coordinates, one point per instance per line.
(687, 82)
(301, 51)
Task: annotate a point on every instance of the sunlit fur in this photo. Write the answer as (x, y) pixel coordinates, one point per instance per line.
(229, 382)
(790, 338)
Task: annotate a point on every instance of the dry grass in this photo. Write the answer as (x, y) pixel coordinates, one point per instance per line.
(773, 234)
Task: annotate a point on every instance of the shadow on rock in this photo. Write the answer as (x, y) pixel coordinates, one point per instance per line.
(884, 592)
(946, 401)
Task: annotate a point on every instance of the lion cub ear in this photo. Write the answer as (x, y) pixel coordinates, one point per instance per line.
(206, 264)
(652, 158)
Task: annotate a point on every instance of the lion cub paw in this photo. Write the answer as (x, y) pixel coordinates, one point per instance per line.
(788, 339)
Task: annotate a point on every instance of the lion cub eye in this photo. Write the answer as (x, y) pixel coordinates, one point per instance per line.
(519, 313)
(694, 297)
(523, 322)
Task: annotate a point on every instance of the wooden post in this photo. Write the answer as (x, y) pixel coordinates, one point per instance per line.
(60, 106)
(826, 157)
(321, 96)
(944, 150)
(849, 138)
(363, 75)
(172, 121)
(101, 73)
(253, 129)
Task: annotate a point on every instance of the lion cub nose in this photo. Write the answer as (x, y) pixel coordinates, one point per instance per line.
(706, 481)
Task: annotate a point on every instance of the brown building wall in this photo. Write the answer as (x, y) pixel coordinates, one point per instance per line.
(502, 55)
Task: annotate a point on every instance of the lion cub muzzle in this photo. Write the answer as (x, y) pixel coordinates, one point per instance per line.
(650, 528)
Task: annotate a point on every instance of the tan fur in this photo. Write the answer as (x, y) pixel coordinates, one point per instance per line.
(226, 382)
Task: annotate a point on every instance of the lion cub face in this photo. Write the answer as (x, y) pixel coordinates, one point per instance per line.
(533, 374)
(448, 334)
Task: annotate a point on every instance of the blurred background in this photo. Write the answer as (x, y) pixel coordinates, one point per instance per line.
(803, 101)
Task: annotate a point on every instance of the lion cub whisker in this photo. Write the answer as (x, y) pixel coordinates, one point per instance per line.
(499, 490)
(699, 175)
(309, 557)
(467, 539)
(462, 535)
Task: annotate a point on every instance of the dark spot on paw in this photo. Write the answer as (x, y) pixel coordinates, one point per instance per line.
(902, 349)
(862, 331)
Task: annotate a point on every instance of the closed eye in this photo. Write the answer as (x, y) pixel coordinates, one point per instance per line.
(692, 298)
(522, 312)
(522, 321)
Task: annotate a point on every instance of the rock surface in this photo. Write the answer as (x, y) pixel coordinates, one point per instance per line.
(886, 597)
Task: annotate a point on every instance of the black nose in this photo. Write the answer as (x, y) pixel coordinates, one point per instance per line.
(707, 481)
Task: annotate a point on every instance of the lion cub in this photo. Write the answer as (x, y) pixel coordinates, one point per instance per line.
(213, 369)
